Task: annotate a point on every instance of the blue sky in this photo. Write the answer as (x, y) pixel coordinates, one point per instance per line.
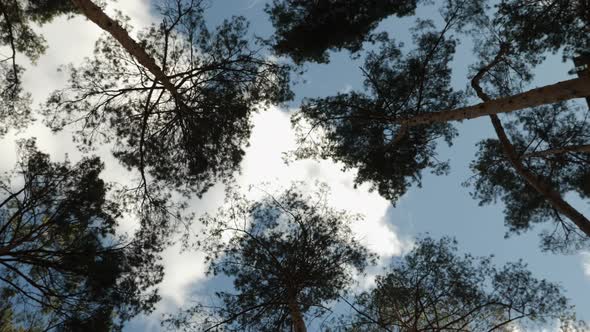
(441, 207)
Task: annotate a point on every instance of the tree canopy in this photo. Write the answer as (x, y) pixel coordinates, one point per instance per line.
(186, 131)
(288, 256)
(60, 256)
(433, 288)
(355, 129)
(306, 30)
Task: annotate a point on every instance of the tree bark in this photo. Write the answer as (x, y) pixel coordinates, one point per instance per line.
(296, 317)
(563, 150)
(549, 94)
(95, 14)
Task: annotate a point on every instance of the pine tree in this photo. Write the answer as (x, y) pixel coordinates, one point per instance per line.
(288, 256)
(61, 260)
(433, 288)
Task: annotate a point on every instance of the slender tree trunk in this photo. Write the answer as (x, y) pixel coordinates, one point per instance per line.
(549, 94)
(95, 14)
(296, 316)
(563, 150)
(553, 197)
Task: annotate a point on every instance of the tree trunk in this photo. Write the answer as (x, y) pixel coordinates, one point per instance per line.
(95, 14)
(296, 317)
(563, 150)
(553, 197)
(549, 94)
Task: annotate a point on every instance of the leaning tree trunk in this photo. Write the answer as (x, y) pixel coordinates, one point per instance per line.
(95, 14)
(296, 316)
(552, 196)
(549, 94)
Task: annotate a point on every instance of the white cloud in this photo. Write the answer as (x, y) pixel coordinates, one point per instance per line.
(347, 88)
(585, 258)
(272, 136)
(138, 11)
(183, 269)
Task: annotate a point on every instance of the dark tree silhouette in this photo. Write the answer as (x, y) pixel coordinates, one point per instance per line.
(177, 102)
(306, 30)
(9, 322)
(61, 262)
(390, 130)
(433, 288)
(355, 129)
(19, 37)
(288, 257)
(535, 28)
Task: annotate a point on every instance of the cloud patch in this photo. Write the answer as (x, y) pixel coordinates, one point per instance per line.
(272, 136)
(585, 259)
